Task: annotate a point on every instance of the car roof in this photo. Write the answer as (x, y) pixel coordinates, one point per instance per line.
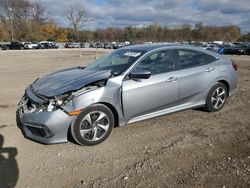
(152, 47)
(147, 47)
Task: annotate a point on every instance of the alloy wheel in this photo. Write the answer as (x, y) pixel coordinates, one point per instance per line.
(94, 126)
(218, 97)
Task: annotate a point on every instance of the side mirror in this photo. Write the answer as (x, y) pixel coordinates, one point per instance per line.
(140, 74)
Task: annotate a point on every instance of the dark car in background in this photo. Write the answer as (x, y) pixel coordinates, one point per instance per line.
(248, 49)
(107, 46)
(72, 45)
(47, 45)
(16, 46)
(3, 47)
(83, 45)
(235, 49)
(225, 49)
(92, 45)
(239, 49)
(96, 45)
(115, 46)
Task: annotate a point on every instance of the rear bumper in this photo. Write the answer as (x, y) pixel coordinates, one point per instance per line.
(45, 127)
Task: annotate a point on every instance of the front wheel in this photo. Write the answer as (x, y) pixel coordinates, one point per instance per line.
(93, 125)
(216, 98)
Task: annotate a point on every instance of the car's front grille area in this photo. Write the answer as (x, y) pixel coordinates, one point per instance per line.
(27, 106)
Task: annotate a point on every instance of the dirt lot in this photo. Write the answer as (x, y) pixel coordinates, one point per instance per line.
(191, 148)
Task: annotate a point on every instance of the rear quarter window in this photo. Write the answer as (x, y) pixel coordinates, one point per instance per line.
(192, 58)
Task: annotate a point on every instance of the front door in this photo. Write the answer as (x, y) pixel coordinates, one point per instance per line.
(158, 92)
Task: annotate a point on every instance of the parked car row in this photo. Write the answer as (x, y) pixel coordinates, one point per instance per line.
(28, 45)
(221, 48)
(237, 49)
(113, 45)
(227, 48)
(52, 45)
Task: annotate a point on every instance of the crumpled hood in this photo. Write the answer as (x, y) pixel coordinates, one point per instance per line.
(67, 80)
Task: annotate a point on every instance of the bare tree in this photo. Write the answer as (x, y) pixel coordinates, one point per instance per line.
(12, 12)
(38, 13)
(76, 15)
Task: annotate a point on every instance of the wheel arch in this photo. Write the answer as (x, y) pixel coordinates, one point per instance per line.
(114, 111)
(226, 84)
(109, 106)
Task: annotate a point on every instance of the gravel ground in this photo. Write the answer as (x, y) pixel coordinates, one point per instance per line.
(191, 148)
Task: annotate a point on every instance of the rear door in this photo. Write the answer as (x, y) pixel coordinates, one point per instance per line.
(197, 71)
(155, 93)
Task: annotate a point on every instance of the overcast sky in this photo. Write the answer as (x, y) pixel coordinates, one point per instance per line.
(122, 13)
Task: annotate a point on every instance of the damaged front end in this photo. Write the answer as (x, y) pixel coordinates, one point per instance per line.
(46, 119)
(42, 120)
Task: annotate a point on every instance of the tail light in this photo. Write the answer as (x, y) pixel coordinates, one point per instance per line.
(235, 66)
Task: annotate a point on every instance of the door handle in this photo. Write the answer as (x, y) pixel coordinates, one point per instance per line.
(172, 79)
(210, 69)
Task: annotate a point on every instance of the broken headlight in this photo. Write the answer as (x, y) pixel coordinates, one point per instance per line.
(27, 106)
(57, 102)
(51, 106)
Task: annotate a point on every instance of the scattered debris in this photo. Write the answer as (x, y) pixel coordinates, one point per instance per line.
(125, 178)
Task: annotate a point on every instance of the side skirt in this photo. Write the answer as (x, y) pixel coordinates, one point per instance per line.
(165, 111)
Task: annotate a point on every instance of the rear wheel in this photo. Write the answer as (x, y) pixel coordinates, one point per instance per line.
(216, 98)
(93, 125)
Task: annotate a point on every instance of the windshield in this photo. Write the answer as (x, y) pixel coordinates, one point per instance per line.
(117, 62)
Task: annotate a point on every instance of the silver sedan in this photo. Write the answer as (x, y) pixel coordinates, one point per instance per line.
(129, 85)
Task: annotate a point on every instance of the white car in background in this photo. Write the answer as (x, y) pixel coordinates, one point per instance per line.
(29, 45)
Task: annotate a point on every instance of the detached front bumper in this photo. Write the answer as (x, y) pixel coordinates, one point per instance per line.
(45, 127)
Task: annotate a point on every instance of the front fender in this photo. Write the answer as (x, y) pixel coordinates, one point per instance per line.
(108, 95)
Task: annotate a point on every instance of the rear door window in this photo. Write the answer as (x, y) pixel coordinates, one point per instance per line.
(192, 58)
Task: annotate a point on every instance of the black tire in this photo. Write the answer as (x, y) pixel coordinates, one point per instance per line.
(80, 122)
(211, 106)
